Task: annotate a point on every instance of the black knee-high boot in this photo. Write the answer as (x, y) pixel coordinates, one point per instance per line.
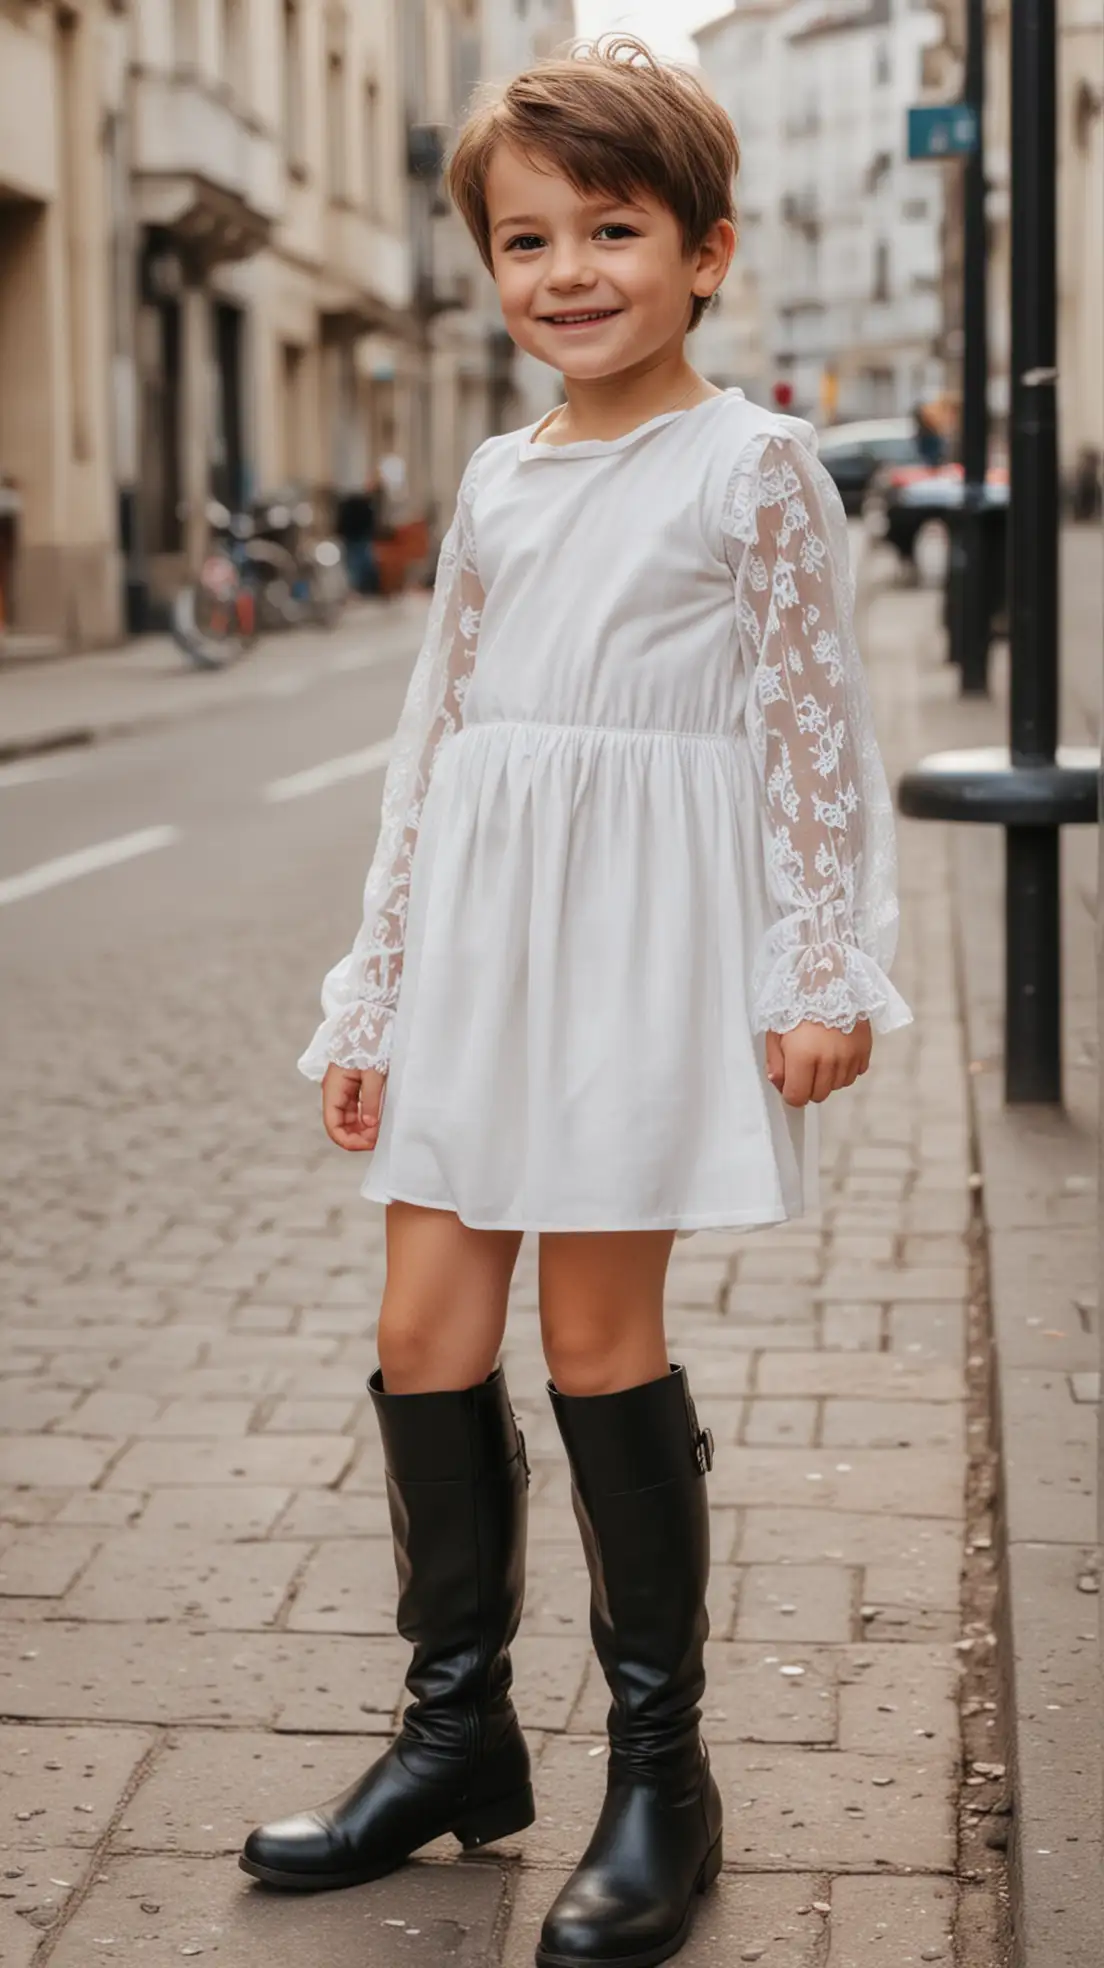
(638, 1463)
(457, 1488)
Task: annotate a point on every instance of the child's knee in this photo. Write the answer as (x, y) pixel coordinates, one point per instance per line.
(583, 1353)
(410, 1335)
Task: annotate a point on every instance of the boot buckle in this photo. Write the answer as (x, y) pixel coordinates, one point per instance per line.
(703, 1451)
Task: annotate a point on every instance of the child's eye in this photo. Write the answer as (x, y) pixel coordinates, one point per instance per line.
(524, 242)
(617, 229)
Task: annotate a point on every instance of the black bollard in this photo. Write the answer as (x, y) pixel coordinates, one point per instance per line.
(1033, 1051)
(970, 617)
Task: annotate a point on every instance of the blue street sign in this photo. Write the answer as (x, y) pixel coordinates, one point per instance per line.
(942, 130)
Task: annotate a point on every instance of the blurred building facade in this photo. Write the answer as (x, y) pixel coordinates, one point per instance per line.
(226, 266)
(1080, 223)
(59, 558)
(839, 292)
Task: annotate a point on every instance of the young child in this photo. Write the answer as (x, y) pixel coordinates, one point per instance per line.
(630, 912)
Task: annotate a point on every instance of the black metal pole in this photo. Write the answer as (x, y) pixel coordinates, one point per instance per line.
(1033, 1040)
(970, 605)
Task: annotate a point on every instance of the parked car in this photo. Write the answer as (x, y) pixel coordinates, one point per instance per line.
(910, 507)
(852, 453)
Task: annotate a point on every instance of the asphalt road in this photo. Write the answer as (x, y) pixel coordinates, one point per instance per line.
(154, 1005)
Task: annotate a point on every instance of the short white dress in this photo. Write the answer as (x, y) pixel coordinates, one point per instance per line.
(635, 817)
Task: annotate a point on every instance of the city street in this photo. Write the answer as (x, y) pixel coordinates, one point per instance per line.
(196, 1574)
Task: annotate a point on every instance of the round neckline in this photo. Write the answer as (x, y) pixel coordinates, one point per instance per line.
(529, 445)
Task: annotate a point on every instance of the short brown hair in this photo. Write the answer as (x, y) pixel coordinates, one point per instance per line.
(612, 118)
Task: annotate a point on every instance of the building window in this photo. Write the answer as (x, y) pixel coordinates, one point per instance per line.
(233, 46)
(371, 150)
(185, 33)
(335, 125)
(881, 271)
(293, 85)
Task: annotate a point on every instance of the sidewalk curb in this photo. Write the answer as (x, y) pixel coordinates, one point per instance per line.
(70, 737)
(1041, 1276)
(65, 740)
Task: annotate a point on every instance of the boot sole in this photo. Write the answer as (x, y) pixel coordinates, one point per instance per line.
(651, 1957)
(483, 1826)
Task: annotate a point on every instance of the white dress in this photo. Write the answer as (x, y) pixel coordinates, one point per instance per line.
(635, 817)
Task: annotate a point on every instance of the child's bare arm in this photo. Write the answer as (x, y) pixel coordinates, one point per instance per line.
(352, 1103)
(815, 1060)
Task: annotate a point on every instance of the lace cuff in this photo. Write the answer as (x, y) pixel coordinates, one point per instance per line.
(357, 1038)
(830, 982)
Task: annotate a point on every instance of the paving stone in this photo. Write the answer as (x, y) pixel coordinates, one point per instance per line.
(894, 1424)
(754, 1304)
(798, 1337)
(42, 1563)
(207, 1788)
(810, 1810)
(869, 1377)
(851, 1328)
(60, 1787)
(167, 1575)
(929, 1331)
(892, 1923)
(416, 1918)
(294, 1460)
(886, 1481)
(28, 1405)
(56, 1462)
(33, 1902)
(748, 1698)
(220, 1516)
(928, 1549)
(334, 1514)
(348, 1586)
(312, 1417)
(886, 1284)
(797, 1602)
(896, 1699)
(66, 1670)
(109, 1508)
(548, 1678)
(103, 1412)
(199, 1419)
(779, 1422)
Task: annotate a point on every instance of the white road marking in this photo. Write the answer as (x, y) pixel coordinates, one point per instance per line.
(68, 867)
(22, 772)
(318, 777)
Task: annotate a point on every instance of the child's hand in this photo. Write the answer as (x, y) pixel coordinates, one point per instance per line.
(351, 1107)
(813, 1060)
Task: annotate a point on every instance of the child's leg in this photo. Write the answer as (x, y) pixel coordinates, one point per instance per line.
(601, 1301)
(638, 1460)
(456, 1484)
(444, 1303)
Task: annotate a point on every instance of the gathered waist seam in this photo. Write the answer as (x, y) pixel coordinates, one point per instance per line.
(605, 730)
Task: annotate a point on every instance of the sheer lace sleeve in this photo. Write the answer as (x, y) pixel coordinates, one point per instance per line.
(827, 816)
(360, 995)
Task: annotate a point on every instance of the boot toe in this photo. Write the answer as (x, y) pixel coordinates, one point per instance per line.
(589, 1924)
(301, 1844)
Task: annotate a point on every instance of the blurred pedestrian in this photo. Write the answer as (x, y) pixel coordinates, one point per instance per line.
(357, 528)
(929, 438)
(630, 912)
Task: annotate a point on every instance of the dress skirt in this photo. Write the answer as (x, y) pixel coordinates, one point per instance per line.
(573, 1046)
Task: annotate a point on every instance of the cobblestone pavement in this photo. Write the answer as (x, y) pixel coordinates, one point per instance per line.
(195, 1570)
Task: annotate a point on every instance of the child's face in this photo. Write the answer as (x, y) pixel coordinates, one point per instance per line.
(560, 255)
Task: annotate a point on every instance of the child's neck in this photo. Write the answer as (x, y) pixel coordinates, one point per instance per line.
(609, 406)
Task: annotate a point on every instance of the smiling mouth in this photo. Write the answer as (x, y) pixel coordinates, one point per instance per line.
(580, 318)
